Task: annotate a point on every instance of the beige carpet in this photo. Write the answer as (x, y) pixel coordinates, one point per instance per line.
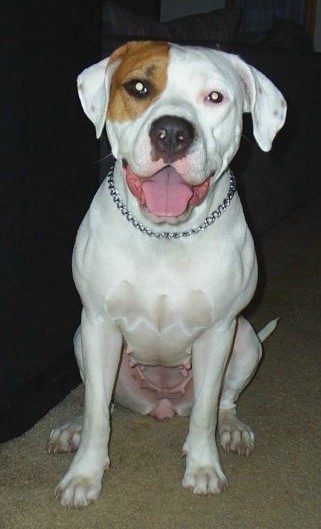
(278, 487)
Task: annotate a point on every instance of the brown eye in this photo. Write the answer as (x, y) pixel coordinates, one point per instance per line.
(215, 97)
(138, 88)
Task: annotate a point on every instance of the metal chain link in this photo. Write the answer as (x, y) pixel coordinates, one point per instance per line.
(214, 216)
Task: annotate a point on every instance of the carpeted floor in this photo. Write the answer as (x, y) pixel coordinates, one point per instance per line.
(278, 487)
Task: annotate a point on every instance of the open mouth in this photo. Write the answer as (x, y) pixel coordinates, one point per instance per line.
(165, 193)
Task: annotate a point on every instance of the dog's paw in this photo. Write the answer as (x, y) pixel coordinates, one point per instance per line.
(234, 435)
(203, 472)
(78, 490)
(65, 438)
(205, 480)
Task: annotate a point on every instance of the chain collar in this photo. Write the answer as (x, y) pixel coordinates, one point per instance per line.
(215, 215)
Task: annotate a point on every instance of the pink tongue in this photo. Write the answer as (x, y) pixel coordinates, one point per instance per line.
(166, 193)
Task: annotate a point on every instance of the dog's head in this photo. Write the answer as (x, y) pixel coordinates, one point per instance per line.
(173, 116)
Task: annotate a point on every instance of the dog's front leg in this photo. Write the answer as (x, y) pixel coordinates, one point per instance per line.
(210, 354)
(101, 346)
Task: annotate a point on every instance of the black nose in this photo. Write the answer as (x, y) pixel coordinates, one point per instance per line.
(171, 136)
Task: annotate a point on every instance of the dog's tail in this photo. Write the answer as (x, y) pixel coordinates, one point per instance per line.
(264, 333)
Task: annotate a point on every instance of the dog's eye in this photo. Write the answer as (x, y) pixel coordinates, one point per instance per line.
(215, 97)
(137, 88)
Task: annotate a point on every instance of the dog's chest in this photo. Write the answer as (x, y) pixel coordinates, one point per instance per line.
(161, 320)
(162, 295)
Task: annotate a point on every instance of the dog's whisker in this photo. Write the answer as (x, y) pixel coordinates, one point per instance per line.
(249, 140)
(103, 158)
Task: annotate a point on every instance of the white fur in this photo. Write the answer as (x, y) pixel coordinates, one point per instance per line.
(179, 299)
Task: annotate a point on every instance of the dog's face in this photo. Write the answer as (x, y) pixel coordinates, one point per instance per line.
(173, 116)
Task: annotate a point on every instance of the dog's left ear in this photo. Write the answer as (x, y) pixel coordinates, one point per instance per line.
(265, 102)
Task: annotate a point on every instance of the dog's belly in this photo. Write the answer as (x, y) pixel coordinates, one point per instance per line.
(159, 328)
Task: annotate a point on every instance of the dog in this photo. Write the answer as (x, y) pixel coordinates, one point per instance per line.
(164, 261)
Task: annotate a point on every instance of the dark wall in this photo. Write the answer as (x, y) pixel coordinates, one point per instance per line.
(48, 178)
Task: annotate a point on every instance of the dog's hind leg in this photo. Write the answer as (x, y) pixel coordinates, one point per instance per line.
(66, 437)
(234, 435)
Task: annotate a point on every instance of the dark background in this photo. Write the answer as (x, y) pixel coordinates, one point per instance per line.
(49, 173)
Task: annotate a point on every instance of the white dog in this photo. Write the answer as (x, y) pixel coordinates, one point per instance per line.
(164, 261)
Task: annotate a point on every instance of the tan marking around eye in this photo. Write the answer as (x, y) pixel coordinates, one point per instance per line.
(139, 60)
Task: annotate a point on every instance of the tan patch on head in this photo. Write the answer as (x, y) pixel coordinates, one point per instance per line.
(141, 61)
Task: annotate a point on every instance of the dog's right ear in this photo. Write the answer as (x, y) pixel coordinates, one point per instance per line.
(93, 90)
(94, 86)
